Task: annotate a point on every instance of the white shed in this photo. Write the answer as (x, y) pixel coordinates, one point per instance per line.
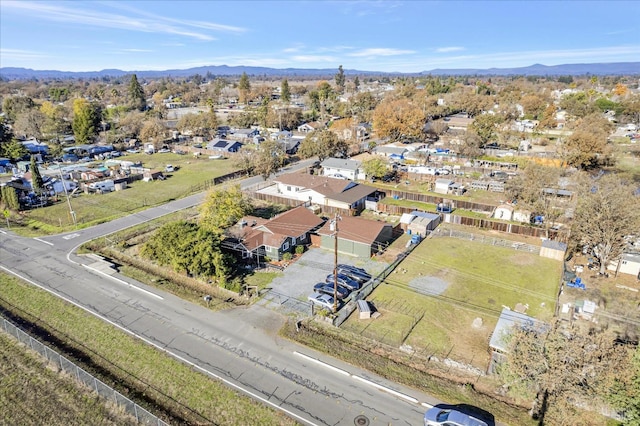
(442, 186)
(504, 212)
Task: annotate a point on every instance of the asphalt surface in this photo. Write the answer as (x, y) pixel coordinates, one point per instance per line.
(239, 346)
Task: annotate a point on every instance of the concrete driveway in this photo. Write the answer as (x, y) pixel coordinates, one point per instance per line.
(289, 292)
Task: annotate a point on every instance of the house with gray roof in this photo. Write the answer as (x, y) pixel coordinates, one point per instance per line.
(223, 145)
(342, 167)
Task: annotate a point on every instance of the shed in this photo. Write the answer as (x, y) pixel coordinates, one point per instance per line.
(629, 263)
(507, 320)
(504, 212)
(423, 223)
(553, 249)
(442, 185)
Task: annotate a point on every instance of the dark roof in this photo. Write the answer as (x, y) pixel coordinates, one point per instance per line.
(220, 144)
(353, 194)
(356, 229)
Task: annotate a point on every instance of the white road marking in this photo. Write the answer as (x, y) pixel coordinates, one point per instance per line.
(71, 236)
(43, 241)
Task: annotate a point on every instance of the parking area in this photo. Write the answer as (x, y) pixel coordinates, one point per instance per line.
(288, 293)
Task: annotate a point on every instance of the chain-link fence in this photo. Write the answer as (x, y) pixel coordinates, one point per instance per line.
(499, 242)
(63, 364)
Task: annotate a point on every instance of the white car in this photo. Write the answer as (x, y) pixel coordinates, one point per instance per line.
(437, 416)
(322, 300)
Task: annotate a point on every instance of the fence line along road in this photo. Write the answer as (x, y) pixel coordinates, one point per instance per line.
(141, 415)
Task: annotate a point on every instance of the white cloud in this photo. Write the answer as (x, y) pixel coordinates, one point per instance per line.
(449, 49)
(21, 54)
(109, 20)
(381, 52)
(313, 58)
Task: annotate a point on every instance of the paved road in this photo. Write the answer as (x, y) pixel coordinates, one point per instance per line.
(240, 346)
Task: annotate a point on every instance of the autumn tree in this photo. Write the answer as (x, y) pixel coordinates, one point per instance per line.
(200, 124)
(548, 119)
(55, 123)
(323, 144)
(577, 104)
(631, 109)
(131, 124)
(560, 365)
(587, 147)
(223, 208)
(244, 88)
(471, 103)
(606, 212)
(471, 146)
(153, 131)
(340, 80)
(285, 92)
(86, 118)
(137, 99)
(533, 105)
(398, 119)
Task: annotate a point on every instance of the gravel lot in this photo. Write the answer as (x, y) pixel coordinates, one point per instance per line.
(289, 292)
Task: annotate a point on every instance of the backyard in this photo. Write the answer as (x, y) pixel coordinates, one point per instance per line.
(431, 303)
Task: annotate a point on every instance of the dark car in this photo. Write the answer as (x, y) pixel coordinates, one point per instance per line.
(344, 281)
(360, 277)
(327, 288)
(354, 273)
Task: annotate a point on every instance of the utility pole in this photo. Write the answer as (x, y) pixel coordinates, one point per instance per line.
(64, 185)
(333, 226)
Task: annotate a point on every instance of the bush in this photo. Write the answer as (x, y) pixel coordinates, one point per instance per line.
(287, 256)
(299, 250)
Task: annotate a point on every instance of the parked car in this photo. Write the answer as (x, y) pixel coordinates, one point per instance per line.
(437, 416)
(344, 281)
(359, 276)
(327, 288)
(355, 269)
(322, 300)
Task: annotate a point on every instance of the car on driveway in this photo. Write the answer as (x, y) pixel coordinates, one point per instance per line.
(437, 416)
(322, 300)
(327, 288)
(344, 281)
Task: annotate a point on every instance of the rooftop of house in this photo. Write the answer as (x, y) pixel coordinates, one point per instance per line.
(355, 229)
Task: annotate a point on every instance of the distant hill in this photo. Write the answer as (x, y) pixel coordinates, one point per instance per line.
(617, 68)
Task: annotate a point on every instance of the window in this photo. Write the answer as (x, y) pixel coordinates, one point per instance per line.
(285, 246)
(289, 188)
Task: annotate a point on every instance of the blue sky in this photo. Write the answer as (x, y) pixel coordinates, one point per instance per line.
(402, 36)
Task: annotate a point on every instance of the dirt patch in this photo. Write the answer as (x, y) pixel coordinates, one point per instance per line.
(522, 259)
(429, 285)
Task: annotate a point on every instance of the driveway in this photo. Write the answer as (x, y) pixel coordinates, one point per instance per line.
(289, 292)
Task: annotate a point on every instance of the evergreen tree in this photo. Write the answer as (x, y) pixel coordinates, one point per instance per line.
(136, 94)
(285, 93)
(244, 87)
(10, 197)
(340, 80)
(85, 120)
(36, 178)
(356, 83)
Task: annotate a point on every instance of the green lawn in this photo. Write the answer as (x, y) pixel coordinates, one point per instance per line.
(92, 209)
(474, 280)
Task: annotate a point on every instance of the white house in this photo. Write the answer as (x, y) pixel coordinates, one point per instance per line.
(347, 168)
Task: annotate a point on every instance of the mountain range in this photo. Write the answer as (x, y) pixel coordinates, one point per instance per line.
(616, 68)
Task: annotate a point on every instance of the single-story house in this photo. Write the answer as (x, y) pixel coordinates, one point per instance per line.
(223, 145)
(356, 236)
(389, 150)
(629, 263)
(322, 191)
(260, 238)
(310, 127)
(347, 168)
(290, 145)
(245, 134)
